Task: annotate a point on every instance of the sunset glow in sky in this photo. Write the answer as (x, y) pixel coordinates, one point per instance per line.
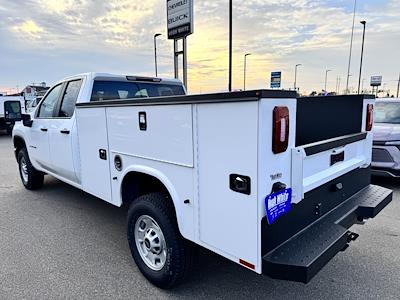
(46, 40)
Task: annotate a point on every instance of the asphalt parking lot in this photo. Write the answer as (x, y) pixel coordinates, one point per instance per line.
(59, 242)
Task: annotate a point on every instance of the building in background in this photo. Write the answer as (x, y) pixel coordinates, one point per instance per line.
(31, 92)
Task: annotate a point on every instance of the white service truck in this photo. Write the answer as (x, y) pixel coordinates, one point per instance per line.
(266, 180)
(13, 105)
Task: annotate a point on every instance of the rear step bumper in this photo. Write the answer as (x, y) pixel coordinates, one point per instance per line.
(301, 257)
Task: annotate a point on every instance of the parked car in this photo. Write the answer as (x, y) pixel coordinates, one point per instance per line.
(30, 106)
(386, 148)
(266, 180)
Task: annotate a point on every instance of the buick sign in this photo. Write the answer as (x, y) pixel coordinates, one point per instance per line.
(179, 18)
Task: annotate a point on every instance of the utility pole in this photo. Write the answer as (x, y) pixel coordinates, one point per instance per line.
(398, 87)
(362, 54)
(155, 52)
(337, 85)
(230, 46)
(244, 70)
(326, 78)
(351, 47)
(295, 76)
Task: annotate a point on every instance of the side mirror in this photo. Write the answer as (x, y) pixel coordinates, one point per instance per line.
(26, 120)
(12, 111)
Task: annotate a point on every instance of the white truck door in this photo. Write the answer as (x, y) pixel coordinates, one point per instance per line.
(62, 130)
(38, 143)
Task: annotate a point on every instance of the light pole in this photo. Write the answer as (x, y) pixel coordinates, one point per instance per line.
(398, 87)
(362, 85)
(244, 70)
(230, 46)
(295, 76)
(362, 54)
(326, 78)
(351, 47)
(155, 51)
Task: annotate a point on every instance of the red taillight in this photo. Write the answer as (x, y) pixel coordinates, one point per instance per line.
(280, 135)
(370, 117)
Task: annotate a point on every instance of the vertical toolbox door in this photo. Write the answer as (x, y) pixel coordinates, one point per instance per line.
(94, 154)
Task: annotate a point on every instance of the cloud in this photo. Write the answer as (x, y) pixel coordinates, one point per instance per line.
(29, 29)
(117, 36)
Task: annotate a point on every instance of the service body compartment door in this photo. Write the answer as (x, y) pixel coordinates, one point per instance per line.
(94, 153)
(227, 144)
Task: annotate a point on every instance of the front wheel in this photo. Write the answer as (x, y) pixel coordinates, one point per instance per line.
(163, 256)
(30, 177)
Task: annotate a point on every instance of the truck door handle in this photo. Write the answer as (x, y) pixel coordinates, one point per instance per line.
(64, 131)
(43, 129)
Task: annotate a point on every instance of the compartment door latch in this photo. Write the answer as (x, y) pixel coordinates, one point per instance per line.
(103, 154)
(240, 183)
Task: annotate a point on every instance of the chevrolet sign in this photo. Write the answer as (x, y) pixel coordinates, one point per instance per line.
(179, 18)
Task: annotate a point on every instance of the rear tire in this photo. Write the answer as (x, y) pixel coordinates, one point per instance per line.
(9, 130)
(31, 178)
(162, 255)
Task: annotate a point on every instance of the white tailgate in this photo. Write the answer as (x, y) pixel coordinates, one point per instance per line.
(312, 171)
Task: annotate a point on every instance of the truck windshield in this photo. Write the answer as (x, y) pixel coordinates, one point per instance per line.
(387, 112)
(112, 90)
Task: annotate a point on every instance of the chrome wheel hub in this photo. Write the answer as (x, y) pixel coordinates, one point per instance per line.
(24, 169)
(150, 242)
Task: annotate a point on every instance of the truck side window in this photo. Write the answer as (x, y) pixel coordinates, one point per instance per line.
(48, 105)
(70, 96)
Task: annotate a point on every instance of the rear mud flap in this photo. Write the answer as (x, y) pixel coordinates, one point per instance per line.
(301, 257)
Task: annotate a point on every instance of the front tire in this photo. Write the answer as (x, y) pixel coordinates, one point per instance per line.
(162, 255)
(31, 178)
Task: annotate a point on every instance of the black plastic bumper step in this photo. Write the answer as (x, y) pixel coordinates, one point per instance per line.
(302, 256)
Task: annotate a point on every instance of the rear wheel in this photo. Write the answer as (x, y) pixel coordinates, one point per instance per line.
(163, 256)
(31, 178)
(9, 130)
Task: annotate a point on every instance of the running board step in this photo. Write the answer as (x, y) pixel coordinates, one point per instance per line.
(301, 257)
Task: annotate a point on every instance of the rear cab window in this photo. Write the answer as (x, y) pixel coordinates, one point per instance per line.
(119, 90)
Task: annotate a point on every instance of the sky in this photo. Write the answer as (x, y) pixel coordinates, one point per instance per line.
(47, 40)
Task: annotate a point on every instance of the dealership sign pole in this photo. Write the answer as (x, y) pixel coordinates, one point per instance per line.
(180, 25)
(376, 82)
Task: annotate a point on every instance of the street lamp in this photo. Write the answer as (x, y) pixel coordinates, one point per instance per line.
(155, 51)
(362, 54)
(362, 85)
(326, 77)
(244, 70)
(351, 47)
(295, 76)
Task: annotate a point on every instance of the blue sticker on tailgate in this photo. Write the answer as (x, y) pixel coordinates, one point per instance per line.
(278, 204)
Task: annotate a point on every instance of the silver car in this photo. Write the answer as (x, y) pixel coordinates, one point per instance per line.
(386, 149)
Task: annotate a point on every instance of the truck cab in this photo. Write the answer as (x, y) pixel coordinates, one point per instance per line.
(52, 139)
